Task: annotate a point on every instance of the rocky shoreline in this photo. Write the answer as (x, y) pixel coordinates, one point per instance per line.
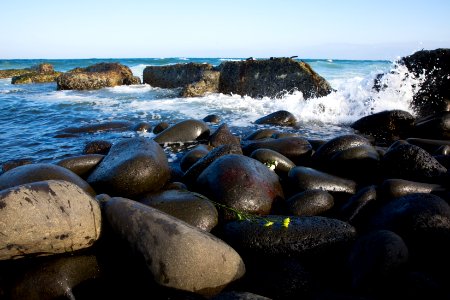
(270, 215)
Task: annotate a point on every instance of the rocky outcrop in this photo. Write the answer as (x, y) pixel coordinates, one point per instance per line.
(96, 77)
(271, 78)
(38, 74)
(195, 79)
(434, 94)
(13, 72)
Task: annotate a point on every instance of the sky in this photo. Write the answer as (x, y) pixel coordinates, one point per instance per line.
(346, 29)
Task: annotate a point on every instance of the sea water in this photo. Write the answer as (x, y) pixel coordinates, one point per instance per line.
(32, 114)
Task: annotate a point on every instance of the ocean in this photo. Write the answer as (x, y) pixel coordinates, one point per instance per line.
(31, 115)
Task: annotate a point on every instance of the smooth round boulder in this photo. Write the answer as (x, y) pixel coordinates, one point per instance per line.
(309, 203)
(200, 165)
(142, 127)
(431, 146)
(47, 217)
(190, 207)
(223, 136)
(41, 172)
(132, 167)
(81, 165)
(423, 221)
(56, 278)
(411, 163)
(192, 156)
(274, 160)
(178, 255)
(260, 134)
(184, 131)
(215, 119)
(287, 236)
(241, 183)
(375, 258)
(160, 127)
(280, 118)
(303, 178)
(297, 149)
(324, 153)
(386, 126)
(394, 188)
(97, 147)
(106, 126)
(360, 207)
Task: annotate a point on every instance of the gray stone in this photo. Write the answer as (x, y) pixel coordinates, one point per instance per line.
(47, 217)
(41, 172)
(132, 167)
(190, 207)
(271, 78)
(177, 254)
(184, 131)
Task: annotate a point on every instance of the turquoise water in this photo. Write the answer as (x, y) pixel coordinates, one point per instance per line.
(31, 115)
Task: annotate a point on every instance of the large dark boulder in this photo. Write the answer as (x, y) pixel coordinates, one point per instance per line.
(271, 78)
(132, 167)
(195, 79)
(434, 94)
(386, 126)
(241, 183)
(184, 131)
(96, 77)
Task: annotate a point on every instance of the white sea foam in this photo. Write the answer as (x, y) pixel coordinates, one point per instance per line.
(132, 89)
(230, 59)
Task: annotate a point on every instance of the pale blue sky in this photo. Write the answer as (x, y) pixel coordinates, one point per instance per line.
(353, 29)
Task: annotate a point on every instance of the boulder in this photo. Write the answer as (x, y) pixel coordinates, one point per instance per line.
(97, 147)
(202, 163)
(411, 163)
(47, 217)
(433, 95)
(281, 118)
(177, 254)
(260, 134)
(297, 149)
(132, 167)
(184, 131)
(386, 126)
(81, 165)
(160, 127)
(56, 278)
(271, 78)
(274, 160)
(190, 207)
(96, 77)
(375, 258)
(436, 126)
(360, 207)
(240, 183)
(287, 236)
(41, 172)
(309, 203)
(223, 136)
(214, 119)
(34, 77)
(192, 156)
(106, 126)
(303, 178)
(394, 188)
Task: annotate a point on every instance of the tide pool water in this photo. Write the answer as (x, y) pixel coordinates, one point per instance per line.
(31, 115)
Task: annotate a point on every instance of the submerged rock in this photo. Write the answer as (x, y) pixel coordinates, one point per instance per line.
(271, 78)
(178, 255)
(47, 217)
(96, 77)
